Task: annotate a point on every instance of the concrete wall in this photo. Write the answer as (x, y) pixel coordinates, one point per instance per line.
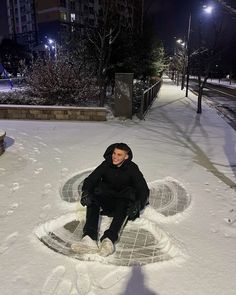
(52, 113)
(123, 94)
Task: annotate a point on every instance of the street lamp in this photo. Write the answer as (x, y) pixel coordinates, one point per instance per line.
(207, 9)
(51, 45)
(188, 52)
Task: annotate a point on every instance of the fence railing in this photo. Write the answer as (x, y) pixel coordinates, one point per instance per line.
(147, 99)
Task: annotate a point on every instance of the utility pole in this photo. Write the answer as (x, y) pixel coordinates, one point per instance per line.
(188, 53)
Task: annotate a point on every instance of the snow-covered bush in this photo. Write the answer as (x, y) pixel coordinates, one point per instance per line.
(61, 80)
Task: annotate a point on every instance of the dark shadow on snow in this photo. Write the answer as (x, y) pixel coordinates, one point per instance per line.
(8, 141)
(136, 284)
(180, 136)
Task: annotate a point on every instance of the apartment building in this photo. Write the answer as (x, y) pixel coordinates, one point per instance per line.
(22, 24)
(32, 21)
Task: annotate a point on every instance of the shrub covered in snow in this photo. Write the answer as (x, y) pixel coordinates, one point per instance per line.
(61, 80)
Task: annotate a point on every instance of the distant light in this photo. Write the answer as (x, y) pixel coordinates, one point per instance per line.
(208, 9)
(50, 41)
(46, 46)
(53, 47)
(180, 42)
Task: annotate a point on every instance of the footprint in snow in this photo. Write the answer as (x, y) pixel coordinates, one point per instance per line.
(83, 282)
(38, 170)
(64, 288)
(111, 279)
(53, 281)
(33, 160)
(12, 208)
(8, 242)
(38, 137)
(14, 187)
(36, 150)
(58, 160)
(57, 150)
(43, 143)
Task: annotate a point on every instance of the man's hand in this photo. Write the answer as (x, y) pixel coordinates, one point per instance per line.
(86, 199)
(134, 210)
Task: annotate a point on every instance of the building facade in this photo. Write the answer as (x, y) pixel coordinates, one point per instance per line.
(22, 22)
(31, 22)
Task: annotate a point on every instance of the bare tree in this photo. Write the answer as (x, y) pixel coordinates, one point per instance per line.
(102, 38)
(64, 80)
(205, 52)
(227, 5)
(177, 64)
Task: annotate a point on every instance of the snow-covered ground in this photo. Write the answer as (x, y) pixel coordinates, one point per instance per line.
(199, 151)
(224, 82)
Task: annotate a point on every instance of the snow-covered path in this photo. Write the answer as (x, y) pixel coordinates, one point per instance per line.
(197, 150)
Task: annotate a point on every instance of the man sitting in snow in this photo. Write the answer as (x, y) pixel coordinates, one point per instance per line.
(118, 188)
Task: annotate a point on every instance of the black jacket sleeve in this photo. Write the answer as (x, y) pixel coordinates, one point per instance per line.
(140, 185)
(94, 178)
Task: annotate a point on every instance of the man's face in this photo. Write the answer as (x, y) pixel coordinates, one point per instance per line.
(119, 156)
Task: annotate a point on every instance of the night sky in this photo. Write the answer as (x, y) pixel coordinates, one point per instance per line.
(170, 18)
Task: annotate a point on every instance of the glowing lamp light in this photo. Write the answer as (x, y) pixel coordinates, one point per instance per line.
(208, 9)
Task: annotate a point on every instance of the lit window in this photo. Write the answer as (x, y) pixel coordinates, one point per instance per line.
(63, 16)
(72, 17)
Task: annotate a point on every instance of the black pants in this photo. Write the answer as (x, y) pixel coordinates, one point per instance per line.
(116, 206)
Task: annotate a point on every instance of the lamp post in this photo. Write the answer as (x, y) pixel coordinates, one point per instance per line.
(188, 52)
(207, 9)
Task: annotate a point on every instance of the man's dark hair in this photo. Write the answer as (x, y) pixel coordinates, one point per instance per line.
(123, 146)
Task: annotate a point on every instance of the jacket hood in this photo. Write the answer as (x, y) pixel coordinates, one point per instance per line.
(109, 151)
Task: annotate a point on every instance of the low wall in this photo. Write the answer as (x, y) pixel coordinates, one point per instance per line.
(2, 136)
(52, 113)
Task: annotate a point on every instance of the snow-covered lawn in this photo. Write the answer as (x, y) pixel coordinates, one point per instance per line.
(224, 82)
(198, 151)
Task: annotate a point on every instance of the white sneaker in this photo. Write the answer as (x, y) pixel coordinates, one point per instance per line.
(85, 246)
(106, 248)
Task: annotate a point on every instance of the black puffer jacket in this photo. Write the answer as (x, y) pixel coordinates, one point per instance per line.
(116, 181)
